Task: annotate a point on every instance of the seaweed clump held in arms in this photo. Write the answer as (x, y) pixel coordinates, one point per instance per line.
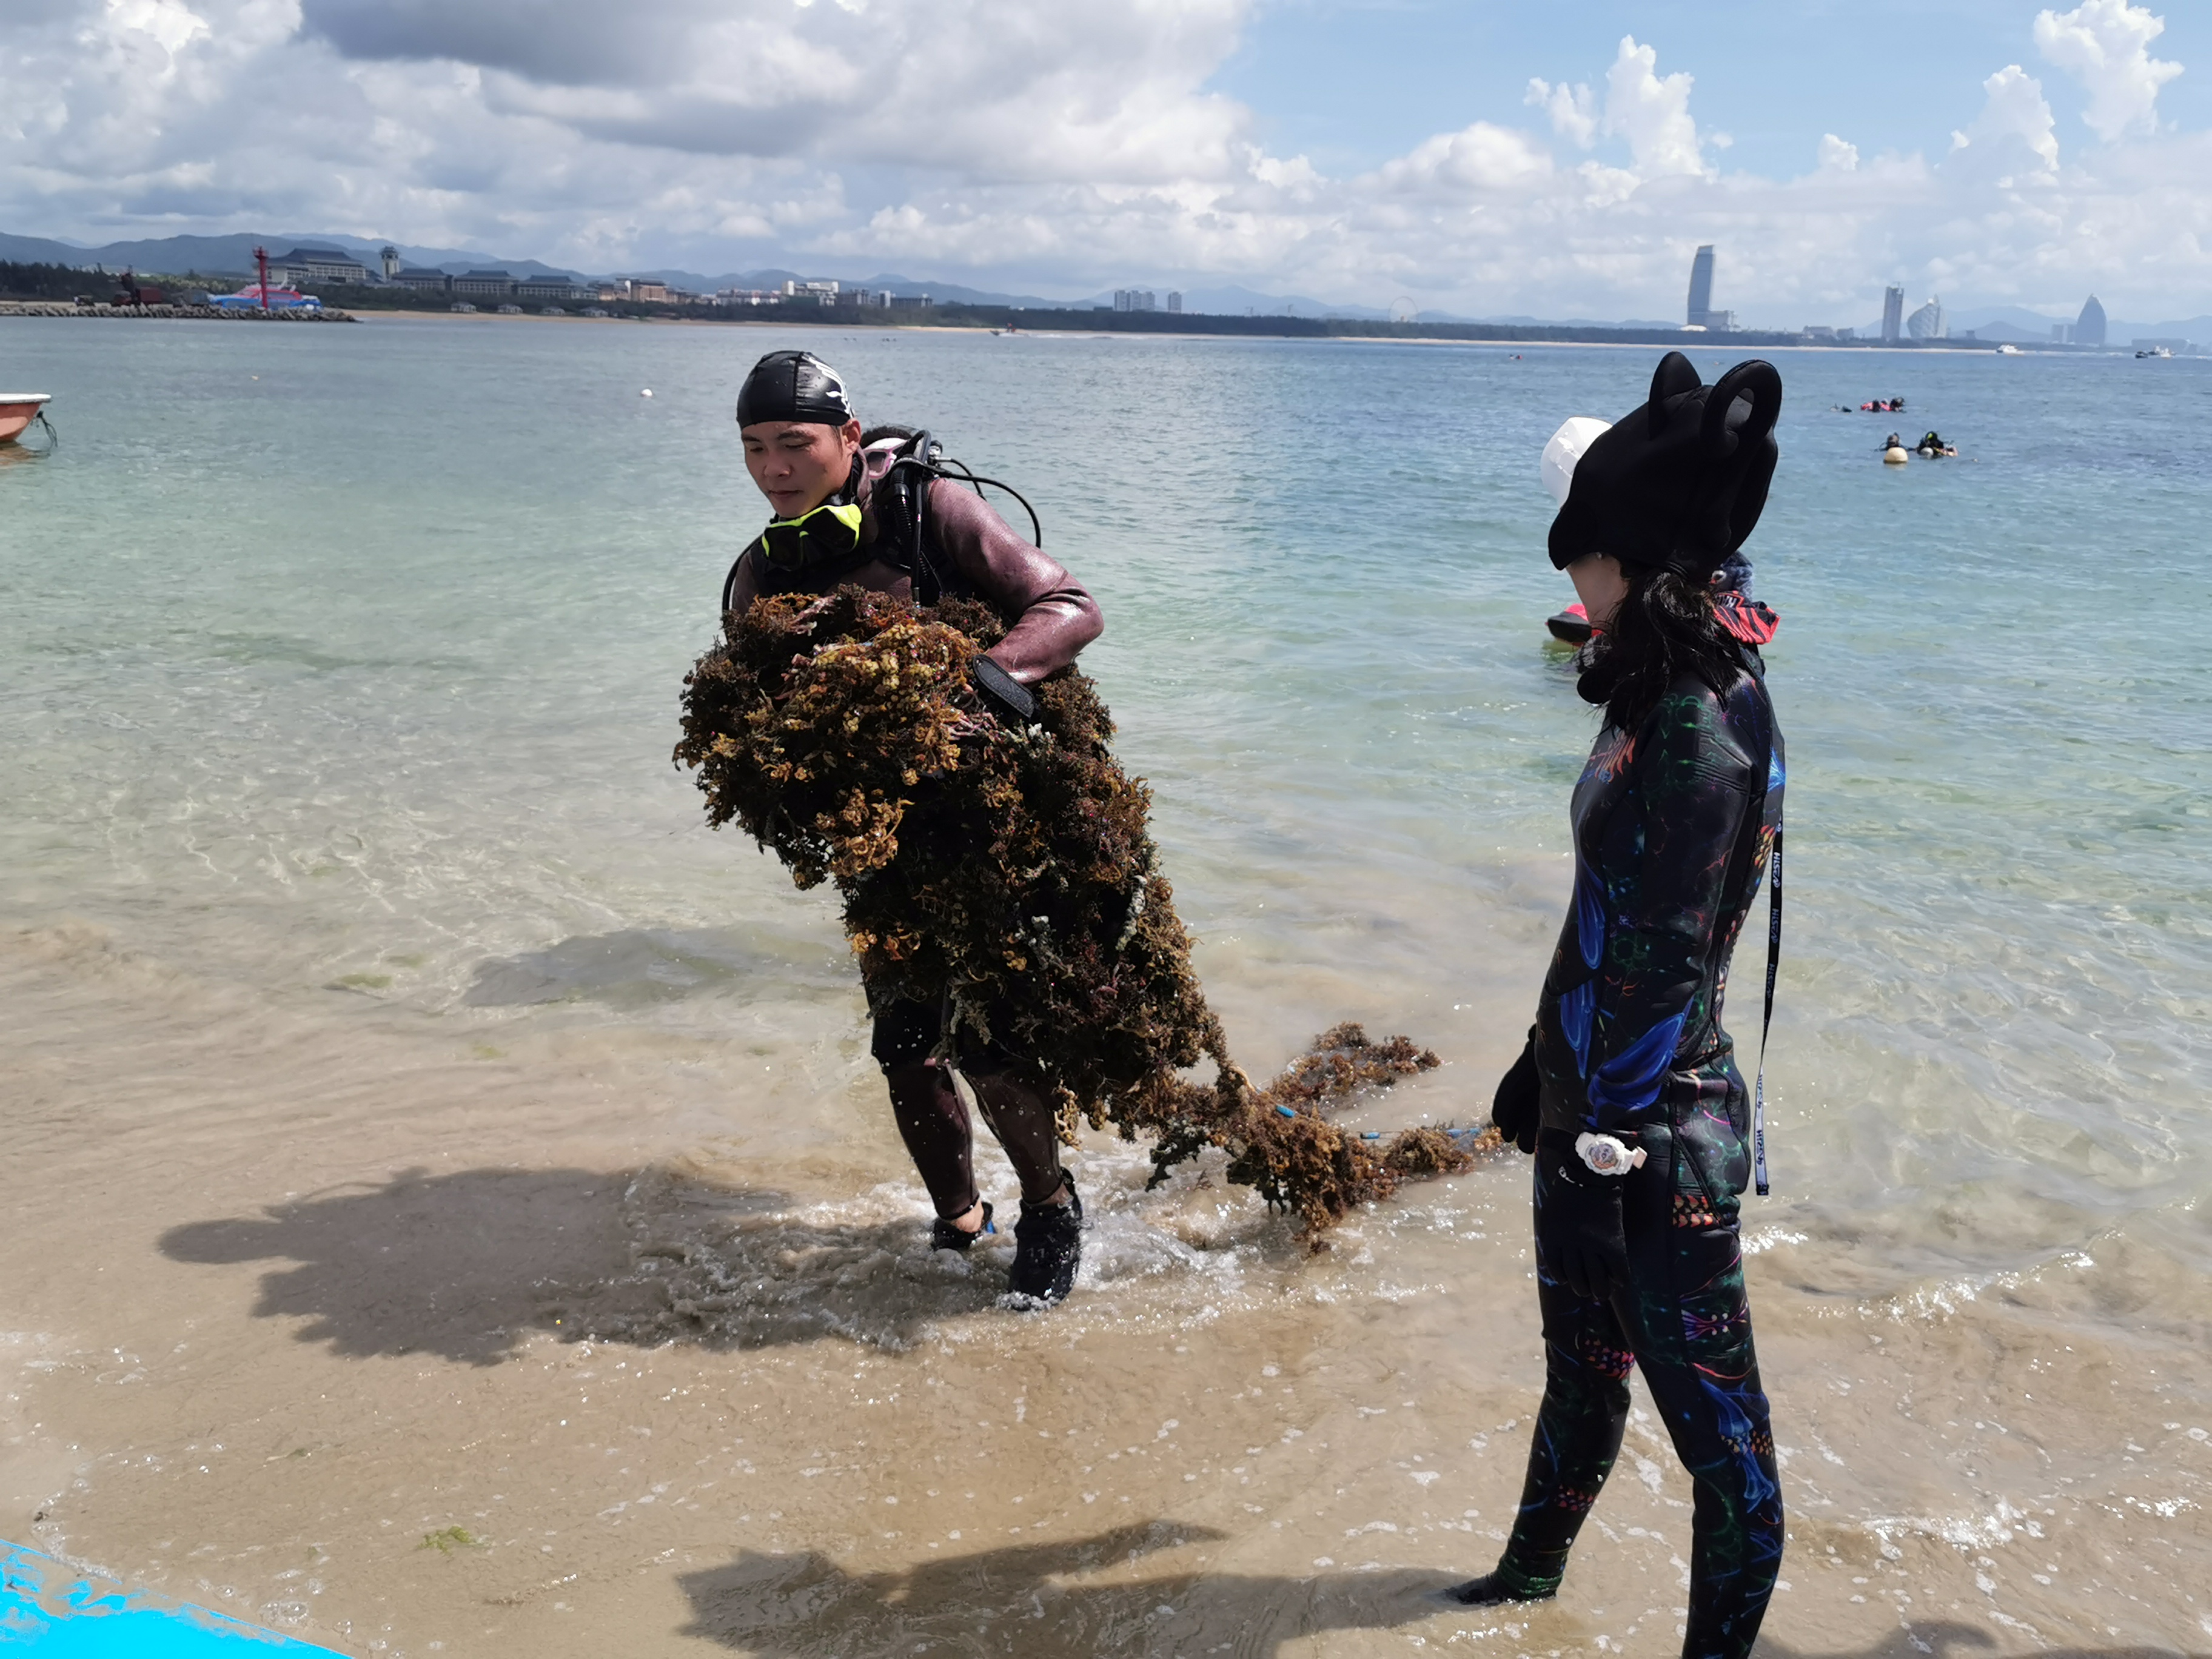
(1018, 867)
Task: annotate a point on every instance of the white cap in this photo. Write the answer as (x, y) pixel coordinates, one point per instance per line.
(1568, 446)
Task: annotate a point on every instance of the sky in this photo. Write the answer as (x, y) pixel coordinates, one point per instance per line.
(1562, 160)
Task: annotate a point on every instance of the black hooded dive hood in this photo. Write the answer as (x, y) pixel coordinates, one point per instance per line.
(793, 386)
(1679, 483)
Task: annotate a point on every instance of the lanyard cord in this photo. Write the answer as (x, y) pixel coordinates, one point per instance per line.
(1773, 967)
(1767, 1021)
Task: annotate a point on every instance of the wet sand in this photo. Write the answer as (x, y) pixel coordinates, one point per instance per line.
(590, 1347)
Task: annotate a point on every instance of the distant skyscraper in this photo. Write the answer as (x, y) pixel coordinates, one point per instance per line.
(2089, 326)
(1927, 323)
(1701, 288)
(1175, 303)
(390, 263)
(1893, 315)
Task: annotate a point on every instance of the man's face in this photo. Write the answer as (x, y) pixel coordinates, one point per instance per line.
(799, 464)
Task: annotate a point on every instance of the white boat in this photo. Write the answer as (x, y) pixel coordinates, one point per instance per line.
(266, 296)
(2157, 351)
(18, 410)
(2008, 350)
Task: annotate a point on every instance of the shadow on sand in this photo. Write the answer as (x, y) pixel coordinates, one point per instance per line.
(464, 1265)
(1020, 1600)
(1013, 1600)
(638, 967)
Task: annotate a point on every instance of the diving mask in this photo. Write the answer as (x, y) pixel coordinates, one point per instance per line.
(829, 532)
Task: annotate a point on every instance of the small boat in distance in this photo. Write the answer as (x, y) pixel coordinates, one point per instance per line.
(2008, 350)
(2156, 351)
(252, 297)
(18, 410)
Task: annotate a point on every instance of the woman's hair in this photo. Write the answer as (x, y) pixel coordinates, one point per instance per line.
(1666, 627)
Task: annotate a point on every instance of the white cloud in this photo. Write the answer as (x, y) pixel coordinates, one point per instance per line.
(1481, 157)
(172, 25)
(1652, 114)
(994, 88)
(1011, 143)
(1573, 110)
(2014, 117)
(2105, 46)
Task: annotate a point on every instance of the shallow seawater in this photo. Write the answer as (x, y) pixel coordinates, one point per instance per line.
(422, 1121)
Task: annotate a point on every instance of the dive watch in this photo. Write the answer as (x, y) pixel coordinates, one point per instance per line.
(1607, 1155)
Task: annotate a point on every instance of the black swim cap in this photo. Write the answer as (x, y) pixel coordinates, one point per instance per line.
(1679, 483)
(793, 386)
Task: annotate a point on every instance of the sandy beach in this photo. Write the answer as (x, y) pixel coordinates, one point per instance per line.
(422, 1348)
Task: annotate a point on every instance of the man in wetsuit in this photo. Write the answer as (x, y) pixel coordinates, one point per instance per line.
(845, 514)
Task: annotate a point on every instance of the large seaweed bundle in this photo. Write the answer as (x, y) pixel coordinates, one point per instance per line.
(1017, 867)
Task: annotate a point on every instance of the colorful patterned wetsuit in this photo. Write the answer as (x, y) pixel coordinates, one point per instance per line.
(1670, 843)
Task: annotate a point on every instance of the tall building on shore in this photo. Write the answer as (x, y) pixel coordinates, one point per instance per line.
(1701, 289)
(1927, 323)
(2089, 326)
(1892, 314)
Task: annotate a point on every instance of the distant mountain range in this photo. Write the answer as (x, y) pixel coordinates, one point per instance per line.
(233, 255)
(216, 256)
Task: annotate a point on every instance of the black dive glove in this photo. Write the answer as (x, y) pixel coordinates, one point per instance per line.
(1002, 694)
(1517, 1106)
(1579, 1234)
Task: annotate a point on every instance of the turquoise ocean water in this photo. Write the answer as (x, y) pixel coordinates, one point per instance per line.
(347, 656)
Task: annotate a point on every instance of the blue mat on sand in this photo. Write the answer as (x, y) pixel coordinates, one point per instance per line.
(52, 1611)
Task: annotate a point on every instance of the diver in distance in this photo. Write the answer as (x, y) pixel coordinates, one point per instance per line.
(871, 507)
(1628, 1092)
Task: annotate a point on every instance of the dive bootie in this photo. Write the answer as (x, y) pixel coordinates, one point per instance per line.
(1492, 1590)
(1048, 1249)
(943, 1236)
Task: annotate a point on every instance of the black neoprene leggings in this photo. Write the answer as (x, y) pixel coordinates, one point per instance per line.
(933, 1120)
(1684, 1321)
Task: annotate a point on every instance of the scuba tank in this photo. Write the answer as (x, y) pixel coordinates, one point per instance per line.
(901, 499)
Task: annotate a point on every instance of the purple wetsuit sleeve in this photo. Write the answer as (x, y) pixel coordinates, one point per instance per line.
(1055, 616)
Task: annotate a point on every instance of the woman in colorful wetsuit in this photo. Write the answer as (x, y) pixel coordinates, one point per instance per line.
(1628, 1092)
(849, 508)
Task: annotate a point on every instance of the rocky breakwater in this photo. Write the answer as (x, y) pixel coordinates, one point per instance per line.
(223, 314)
